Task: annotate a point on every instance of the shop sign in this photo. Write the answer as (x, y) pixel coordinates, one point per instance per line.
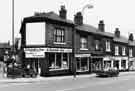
(63, 50)
(82, 55)
(34, 52)
(107, 58)
(131, 59)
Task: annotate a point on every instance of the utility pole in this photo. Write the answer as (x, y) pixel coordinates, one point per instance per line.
(13, 24)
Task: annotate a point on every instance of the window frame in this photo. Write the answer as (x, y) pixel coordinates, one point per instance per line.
(130, 52)
(116, 50)
(108, 46)
(123, 51)
(59, 36)
(83, 44)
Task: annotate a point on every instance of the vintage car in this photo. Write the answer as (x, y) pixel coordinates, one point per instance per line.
(109, 72)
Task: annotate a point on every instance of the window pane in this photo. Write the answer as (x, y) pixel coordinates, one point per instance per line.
(84, 64)
(58, 60)
(83, 42)
(51, 60)
(65, 61)
(78, 63)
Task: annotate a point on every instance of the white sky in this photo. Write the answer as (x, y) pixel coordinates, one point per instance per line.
(115, 13)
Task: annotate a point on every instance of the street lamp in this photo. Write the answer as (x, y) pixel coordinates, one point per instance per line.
(13, 24)
(89, 6)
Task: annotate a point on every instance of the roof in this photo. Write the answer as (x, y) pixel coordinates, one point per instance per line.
(4, 45)
(121, 39)
(91, 29)
(131, 43)
(50, 15)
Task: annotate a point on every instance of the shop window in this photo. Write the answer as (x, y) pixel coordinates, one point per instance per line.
(83, 43)
(59, 35)
(96, 64)
(107, 64)
(58, 61)
(82, 64)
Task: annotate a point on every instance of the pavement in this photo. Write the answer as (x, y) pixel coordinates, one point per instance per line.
(38, 79)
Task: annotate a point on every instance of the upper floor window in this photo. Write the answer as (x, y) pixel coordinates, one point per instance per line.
(97, 44)
(59, 35)
(130, 52)
(116, 50)
(83, 43)
(108, 46)
(123, 51)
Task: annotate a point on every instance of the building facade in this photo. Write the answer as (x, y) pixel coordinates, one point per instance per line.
(47, 43)
(53, 45)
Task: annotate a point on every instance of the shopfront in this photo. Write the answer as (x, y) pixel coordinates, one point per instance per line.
(55, 59)
(97, 63)
(82, 62)
(121, 63)
(132, 63)
(108, 62)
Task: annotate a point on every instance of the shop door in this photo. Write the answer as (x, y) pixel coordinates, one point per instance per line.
(116, 64)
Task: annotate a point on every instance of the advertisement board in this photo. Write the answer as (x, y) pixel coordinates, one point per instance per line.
(35, 33)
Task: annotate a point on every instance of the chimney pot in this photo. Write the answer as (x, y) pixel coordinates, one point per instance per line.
(101, 26)
(78, 18)
(63, 12)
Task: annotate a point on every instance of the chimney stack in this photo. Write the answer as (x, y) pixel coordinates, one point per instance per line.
(63, 12)
(78, 18)
(131, 37)
(117, 32)
(101, 26)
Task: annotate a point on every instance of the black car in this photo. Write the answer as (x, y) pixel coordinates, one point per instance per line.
(110, 72)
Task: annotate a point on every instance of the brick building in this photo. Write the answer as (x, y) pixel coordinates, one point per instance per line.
(54, 45)
(51, 54)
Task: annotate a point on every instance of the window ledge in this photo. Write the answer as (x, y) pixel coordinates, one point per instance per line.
(83, 49)
(108, 50)
(59, 69)
(61, 43)
(82, 70)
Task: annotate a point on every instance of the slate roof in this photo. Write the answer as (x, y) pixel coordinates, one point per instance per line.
(92, 29)
(4, 45)
(50, 15)
(121, 39)
(131, 43)
(84, 27)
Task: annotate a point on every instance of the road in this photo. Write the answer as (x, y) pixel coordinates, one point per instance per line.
(121, 83)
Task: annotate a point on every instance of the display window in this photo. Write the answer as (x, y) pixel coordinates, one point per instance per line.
(82, 64)
(107, 64)
(58, 61)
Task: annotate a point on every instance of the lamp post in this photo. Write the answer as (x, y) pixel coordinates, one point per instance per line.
(89, 6)
(13, 25)
(74, 39)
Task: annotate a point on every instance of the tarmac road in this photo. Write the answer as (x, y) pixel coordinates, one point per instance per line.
(121, 83)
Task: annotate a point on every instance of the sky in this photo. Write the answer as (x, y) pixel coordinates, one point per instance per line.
(115, 13)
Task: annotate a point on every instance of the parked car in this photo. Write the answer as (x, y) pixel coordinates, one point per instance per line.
(109, 72)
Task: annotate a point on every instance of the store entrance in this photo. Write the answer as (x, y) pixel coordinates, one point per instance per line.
(32, 67)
